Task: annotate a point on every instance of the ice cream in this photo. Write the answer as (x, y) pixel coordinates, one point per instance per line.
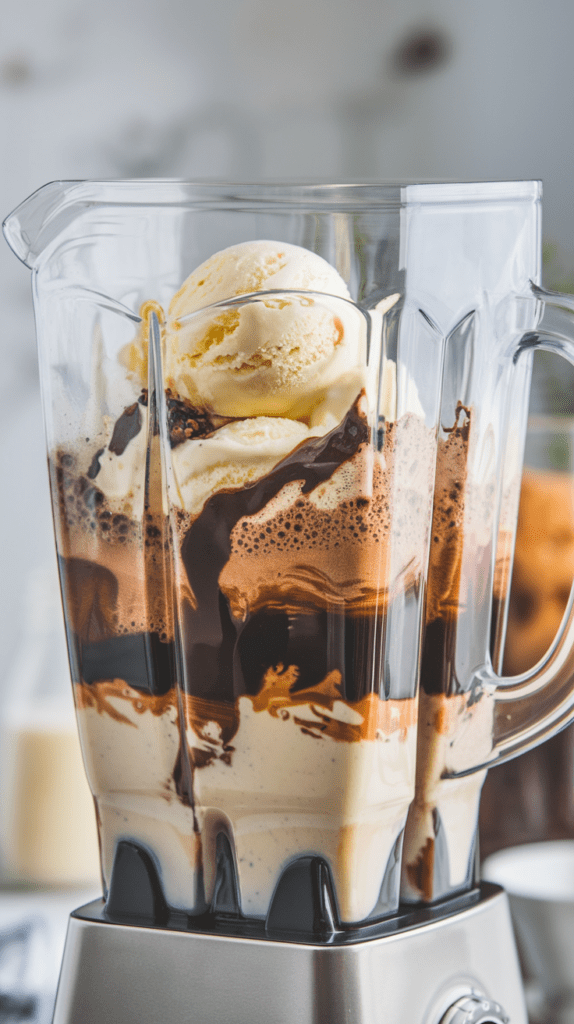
(235, 455)
(274, 356)
(298, 527)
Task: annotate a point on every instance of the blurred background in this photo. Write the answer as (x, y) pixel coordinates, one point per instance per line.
(247, 89)
(251, 89)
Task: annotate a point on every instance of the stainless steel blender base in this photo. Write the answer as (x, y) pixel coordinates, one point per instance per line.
(120, 974)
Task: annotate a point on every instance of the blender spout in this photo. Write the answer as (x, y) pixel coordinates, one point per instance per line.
(31, 227)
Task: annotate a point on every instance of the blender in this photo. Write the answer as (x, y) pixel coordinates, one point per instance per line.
(285, 428)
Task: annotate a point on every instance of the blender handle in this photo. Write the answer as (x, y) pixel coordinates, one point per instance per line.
(531, 707)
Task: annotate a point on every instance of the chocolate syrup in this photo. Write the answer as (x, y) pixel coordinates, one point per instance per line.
(456, 624)
(142, 660)
(225, 657)
(185, 421)
(127, 427)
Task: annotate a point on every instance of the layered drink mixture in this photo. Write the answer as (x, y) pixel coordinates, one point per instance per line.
(456, 723)
(231, 637)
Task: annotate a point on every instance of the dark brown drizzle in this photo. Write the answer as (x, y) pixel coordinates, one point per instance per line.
(420, 874)
(127, 427)
(225, 657)
(95, 464)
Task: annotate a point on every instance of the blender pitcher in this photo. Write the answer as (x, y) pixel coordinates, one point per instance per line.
(248, 393)
(242, 454)
(469, 717)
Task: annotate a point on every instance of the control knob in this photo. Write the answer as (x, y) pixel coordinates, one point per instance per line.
(475, 1009)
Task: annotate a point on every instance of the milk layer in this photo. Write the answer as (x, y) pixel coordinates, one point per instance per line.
(130, 744)
(287, 790)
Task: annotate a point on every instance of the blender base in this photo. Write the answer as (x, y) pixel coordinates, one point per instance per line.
(124, 974)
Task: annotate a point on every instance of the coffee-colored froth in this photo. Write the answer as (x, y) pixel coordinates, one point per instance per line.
(114, 579)
(445, 558)
(350, 544)
(462, 519)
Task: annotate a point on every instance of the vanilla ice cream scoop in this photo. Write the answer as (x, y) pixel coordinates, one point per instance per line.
(255, 267)
(234, 456)
(276, 355)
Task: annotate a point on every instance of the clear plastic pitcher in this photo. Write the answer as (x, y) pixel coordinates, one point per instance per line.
(249, 391)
